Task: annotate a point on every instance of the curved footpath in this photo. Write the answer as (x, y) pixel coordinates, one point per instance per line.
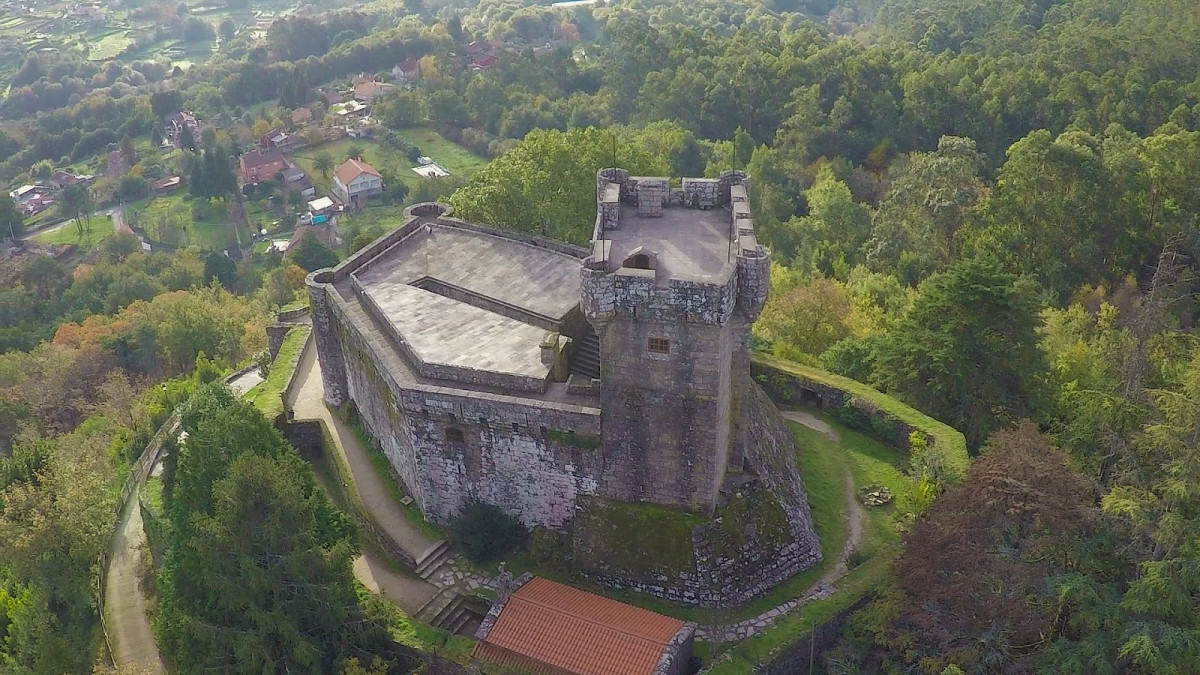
(823, 587)
(409, 593)
(125, 609)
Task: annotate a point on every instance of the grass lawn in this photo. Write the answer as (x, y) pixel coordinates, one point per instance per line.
(374, 153)
(870, 463)
(386, 217)
(68, 234)
(452, 157)
(109, 46)
(266, 394)
(169, 219)
(455, 159)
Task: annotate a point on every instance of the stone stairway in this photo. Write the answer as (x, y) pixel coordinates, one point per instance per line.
(434, 564)
(585, 357)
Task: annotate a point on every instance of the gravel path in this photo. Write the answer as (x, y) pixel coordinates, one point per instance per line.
(125, 608)
(309, 404)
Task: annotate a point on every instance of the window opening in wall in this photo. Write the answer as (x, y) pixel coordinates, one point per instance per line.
(516, 427)
(454, 435)
(659, 345)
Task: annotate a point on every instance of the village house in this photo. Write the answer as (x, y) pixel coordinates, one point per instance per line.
(366, 92)
(408, 70)
(355, 181)
(262, 164)
(175, 124)
(163, 186)
(276, 138)
(61, 179)
(27, 193)
(295, 180)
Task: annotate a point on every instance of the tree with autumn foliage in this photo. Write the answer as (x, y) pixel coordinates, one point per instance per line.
(975, 586)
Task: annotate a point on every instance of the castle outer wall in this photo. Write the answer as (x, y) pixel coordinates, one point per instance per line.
(449, 445)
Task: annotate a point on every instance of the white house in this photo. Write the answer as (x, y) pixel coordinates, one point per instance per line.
(355, 181)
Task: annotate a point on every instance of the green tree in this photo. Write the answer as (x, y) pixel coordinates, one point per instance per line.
(546, 184)
(323, 163)
(279, 291)
(12, 223)
(187, 140)
(836, 227)
(401, 109)
(227, 31)
(310, 254)
(218, 267)
(967, 351)
(76, 203)
(128, 152)
(258, 572)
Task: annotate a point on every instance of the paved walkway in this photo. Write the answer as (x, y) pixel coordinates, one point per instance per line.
(309, 404)
(824, 586)
(125, 611)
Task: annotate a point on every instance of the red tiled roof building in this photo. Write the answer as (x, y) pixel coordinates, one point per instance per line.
(545, 627)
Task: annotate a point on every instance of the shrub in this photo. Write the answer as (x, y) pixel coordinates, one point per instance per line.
(484, 533)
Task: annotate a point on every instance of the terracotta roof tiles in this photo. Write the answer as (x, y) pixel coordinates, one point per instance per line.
(551, 628)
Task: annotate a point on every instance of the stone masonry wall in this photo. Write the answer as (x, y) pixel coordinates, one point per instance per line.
(666, 416)
(528, 457)
(760, 535)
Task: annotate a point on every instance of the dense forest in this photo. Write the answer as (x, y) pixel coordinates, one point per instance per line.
(987, 208)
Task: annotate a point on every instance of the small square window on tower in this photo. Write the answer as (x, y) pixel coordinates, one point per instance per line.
(659, 345)
(454, 435)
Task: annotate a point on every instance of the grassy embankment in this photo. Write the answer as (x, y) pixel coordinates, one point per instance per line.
(822, 463)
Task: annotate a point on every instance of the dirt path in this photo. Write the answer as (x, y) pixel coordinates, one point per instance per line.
(407, 593)
(125, 608)
(309, 404)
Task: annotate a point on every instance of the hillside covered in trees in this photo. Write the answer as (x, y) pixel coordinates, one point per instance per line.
(987, 208)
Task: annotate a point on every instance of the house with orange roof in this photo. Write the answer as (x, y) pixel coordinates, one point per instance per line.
(356, 181)
(366, 92)
(549, 628)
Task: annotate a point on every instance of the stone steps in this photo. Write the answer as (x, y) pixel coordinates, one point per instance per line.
(585, 357)
(433, 559)
(436, 606)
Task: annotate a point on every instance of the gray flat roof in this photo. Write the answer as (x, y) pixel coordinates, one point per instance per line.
(689, 243)
(535, 279)
(443, 331)
(458, 324)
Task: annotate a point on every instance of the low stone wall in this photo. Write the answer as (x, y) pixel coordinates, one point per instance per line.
(312, 440)
(803, 652)
(284, 316)
(859, 407)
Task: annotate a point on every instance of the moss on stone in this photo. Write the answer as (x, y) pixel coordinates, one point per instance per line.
(573, 440)
(756, 512)
(639, 539)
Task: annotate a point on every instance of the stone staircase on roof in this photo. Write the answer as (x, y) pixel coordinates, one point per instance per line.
(585, 357)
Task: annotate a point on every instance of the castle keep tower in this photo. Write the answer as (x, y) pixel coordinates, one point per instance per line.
(673, 282)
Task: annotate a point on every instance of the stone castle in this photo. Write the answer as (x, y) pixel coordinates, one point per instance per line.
(601, 394)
